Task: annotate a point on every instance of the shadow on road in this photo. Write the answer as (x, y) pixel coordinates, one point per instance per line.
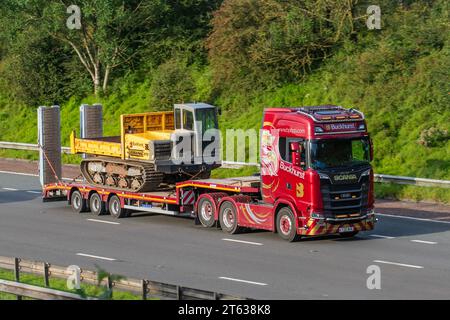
(17, 196)
(386, 226)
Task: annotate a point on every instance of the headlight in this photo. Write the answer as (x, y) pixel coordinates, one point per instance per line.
(365, 174)
(316, 215)
(323, 176)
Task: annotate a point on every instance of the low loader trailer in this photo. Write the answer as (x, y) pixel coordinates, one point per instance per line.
(315, 180)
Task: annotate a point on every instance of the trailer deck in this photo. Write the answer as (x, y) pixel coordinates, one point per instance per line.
(177, 199)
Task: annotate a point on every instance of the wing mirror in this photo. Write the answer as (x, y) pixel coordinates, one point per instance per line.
(296, 153)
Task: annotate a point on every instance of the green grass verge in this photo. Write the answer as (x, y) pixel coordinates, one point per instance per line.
(60, 284)
(413, 193)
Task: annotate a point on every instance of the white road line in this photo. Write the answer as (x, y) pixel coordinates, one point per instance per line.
(10, 189)
(35, 175)
(245, 281)
(95, 257)
(380, 236)
(36, 192)
(423, 241)
(102, 221)
(20, 173)
(241, 241)
(411, 218)
(398, 264)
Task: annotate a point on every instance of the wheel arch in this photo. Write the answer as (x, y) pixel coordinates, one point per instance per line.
(215, 198)
(71, 191)
(283, 203)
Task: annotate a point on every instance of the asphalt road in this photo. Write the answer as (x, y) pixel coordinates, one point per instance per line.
(413, 255)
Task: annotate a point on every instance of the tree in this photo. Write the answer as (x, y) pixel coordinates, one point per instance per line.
(171, 83)
(112, 32)
(270, 40)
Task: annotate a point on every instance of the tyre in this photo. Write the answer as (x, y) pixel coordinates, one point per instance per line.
(97, 206)
(115, 208)
(348, 234)
(228, 218)
(286, 225)
(78, 203)
(206, 212)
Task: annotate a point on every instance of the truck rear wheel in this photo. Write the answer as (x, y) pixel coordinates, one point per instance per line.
(228, 218)
(286, 225)
(78, 203)
(206, 212)
(98, 207)
(115, 208)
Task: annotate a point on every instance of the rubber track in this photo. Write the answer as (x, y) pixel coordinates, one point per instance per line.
(151, 178)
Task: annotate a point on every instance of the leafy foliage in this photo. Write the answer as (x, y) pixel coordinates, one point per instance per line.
(270, 41)
(172, 83)
(245, 55)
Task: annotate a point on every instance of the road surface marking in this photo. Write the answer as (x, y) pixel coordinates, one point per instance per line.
(399, 264)
(245, 281)
(10, 189)
(423, 241)
(411, 218)
(35, 175)
(37, 192)
(20, 173)
(242, 241)
(102, 221)
(96, 257)
(380, 236)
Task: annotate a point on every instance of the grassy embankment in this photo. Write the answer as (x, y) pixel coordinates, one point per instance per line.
(60, 284)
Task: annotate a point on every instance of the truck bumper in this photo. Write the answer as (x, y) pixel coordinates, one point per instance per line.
(317, 227)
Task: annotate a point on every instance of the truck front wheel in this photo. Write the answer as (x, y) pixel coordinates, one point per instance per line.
(286, 225)
(115, 208)
(78, 203)
(228, 218)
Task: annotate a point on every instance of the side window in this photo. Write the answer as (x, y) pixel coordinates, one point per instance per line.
(188, 120)
(282, 145)
(285, 152)
(177, 119)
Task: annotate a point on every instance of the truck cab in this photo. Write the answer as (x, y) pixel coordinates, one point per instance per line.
(316, 160)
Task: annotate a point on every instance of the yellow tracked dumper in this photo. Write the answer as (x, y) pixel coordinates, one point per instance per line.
(142, 157)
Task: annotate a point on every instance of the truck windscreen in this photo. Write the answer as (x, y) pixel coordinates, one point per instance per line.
(330, 153)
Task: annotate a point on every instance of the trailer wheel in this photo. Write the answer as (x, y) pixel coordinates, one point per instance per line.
(206, 212)
(79, 204)
(98, 207)
(228, 218)
(286, 225)
(115, 208)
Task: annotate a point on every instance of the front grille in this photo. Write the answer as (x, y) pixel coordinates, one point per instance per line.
(344, 199)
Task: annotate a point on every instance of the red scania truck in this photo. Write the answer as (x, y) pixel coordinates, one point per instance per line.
(315, 179)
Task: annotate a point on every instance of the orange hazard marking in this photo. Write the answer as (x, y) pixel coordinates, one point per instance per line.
(237, 189)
